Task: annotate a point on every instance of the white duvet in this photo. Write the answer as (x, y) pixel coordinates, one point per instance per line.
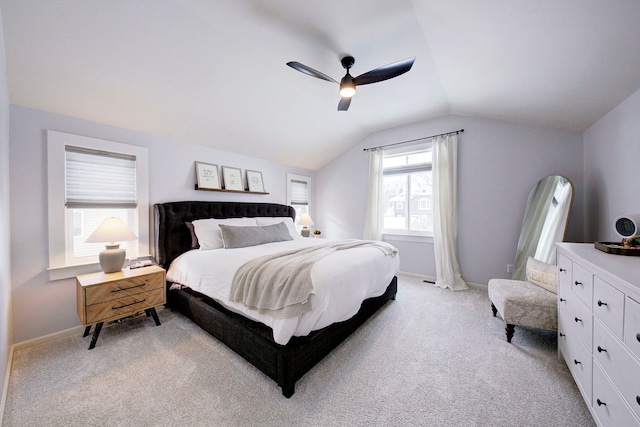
(342, 280)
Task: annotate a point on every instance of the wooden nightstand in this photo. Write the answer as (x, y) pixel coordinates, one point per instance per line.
(103, 297)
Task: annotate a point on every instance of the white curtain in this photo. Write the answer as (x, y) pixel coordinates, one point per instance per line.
(373, 220)
(444, 219)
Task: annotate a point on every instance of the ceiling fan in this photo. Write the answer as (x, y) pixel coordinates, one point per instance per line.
(348, 83)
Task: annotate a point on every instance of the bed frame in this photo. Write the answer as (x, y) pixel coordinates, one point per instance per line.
(252, 340)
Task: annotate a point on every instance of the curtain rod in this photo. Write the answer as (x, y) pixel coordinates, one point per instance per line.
(455, 132)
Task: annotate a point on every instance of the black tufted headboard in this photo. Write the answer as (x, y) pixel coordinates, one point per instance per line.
(172, 237)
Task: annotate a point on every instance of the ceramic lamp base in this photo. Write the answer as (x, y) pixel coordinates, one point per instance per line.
(112, 258)
(305, 232)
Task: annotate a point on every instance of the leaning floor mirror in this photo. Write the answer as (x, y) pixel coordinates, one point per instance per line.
(545, 222)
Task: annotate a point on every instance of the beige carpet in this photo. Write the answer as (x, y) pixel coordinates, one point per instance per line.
(433, 357)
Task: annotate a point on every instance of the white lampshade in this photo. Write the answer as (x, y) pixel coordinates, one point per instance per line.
(110, 231)
(305, 219)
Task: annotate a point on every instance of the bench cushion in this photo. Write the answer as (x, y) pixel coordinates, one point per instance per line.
(524, 303)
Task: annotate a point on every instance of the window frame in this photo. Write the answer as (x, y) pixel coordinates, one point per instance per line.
(307, 179)
(59, 268)
(408, 235)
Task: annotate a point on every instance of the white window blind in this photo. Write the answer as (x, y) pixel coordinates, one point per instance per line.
(99, 179)
(299, 192)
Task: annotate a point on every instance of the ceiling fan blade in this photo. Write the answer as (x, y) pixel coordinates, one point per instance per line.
(344, 103)
(310, 71)
(384, 73)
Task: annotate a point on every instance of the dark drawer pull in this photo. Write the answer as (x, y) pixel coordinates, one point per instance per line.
(577, 283)
(562, 335)
(638, 336)
(600, 349)
(126, 289)
(578, 320)
(600, 303)
(600, 402)
(562, 300)
(562, 270)
(638, 399)
(575, 362)
(127, 305)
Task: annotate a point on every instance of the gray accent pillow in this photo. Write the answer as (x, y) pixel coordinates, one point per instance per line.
(241, 237)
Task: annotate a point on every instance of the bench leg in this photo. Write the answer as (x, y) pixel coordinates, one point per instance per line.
(494, 309)
(510, 330)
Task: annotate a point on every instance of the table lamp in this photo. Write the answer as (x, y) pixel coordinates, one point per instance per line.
(305, 220)
(110, 231)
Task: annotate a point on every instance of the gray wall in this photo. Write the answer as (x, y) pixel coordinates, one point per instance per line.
(42, 307)
(5, 253)
(498, 163)
(612, 182)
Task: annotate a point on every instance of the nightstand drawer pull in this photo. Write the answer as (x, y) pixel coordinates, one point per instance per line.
(127, 305)
(126, 289)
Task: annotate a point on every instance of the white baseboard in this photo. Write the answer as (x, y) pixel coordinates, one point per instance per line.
(432, 279)
(5, 388)
(48, 338)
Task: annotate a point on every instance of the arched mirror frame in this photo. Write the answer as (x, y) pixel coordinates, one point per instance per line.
(535, 219)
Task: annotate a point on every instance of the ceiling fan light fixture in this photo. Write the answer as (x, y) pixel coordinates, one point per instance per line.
(347, 88)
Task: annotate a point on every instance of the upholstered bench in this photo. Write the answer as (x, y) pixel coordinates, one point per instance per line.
(527, 303)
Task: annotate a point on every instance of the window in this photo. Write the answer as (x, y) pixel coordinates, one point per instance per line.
(298, 193)
(407, 191)
(89, 180)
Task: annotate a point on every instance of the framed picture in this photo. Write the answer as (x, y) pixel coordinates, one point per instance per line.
(232, 178)
(254, 181)
(207, 176)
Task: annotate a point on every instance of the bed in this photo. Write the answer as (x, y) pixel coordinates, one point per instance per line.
(251, 339)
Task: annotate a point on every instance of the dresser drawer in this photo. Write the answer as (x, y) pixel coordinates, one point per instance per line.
(608, 305)
(578, 358)
(128, 286)
(582, 284)
(621, 367)
(581, 320)
(124, 306)
(565, 267)
(607, 405)
(632, 326)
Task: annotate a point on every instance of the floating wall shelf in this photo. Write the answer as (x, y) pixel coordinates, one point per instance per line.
(230, 191)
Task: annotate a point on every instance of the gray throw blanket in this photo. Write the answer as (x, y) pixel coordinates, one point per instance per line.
(280, 284)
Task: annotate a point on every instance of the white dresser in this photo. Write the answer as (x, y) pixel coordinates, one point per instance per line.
(599, 330)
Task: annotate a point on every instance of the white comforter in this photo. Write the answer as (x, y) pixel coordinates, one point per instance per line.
(341, 280)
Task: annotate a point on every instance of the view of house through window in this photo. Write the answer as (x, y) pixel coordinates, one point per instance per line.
(407, 199)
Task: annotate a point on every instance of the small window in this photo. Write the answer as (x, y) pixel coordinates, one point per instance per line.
(407, 191)
(89, 180)
(298, 188)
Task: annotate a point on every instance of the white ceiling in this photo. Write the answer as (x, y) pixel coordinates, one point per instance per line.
(213, 72)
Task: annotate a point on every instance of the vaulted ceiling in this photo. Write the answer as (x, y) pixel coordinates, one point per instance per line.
(213, 72)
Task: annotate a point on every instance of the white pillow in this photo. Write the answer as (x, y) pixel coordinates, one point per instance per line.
(542, 274)
(208, 232)
(288, 221)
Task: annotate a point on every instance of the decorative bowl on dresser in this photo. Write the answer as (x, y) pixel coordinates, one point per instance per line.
(104, 297)
(599, 330)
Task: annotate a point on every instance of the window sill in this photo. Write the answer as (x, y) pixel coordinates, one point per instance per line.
(407, 238)
(68, 271)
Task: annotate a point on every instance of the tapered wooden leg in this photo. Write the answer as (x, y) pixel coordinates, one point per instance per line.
(510, 330)
(494, 309)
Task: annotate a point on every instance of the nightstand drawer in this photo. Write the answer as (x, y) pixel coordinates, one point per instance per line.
(117, 289)
(124, 305)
